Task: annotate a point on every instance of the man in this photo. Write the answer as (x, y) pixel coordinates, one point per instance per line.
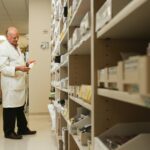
(13, 71)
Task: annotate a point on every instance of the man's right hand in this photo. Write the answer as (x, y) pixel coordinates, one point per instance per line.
(22, 68)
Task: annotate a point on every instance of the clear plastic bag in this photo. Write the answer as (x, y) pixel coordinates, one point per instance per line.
(52, 112)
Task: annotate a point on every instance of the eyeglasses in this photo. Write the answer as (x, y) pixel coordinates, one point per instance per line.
(15, 37)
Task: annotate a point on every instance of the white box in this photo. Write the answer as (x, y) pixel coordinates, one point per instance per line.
(76, 36)
(85, 24)
(108, 10)
(122, 130)
(70, 13)
(64, 83)
(64, 58)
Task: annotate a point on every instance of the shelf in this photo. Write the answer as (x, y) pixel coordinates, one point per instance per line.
(64, 90)
(81, 102)
(132, 22)
(92, 53)
(59, 88)
(64, 117)
(83, 47)
(82, 8)
(135, 99)
(76, 138)
(67, 120)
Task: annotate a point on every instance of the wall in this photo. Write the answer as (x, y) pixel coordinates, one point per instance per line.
(39, 78)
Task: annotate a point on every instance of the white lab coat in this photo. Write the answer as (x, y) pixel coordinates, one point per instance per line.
(12, 82)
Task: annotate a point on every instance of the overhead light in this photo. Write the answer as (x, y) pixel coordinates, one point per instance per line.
(2, 38)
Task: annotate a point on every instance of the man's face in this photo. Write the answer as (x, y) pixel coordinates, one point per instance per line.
(13, 38)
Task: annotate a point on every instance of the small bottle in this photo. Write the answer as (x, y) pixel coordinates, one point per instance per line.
(148, 49)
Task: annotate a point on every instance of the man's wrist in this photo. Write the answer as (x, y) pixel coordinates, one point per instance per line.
(27, 64)
(16, 68)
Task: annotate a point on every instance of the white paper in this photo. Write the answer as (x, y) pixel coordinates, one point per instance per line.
(31, 65)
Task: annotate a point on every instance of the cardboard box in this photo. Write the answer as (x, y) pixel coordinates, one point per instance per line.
(86, 93)
(102, 77)
(108, 10)
(131, 75)
(136, 75)
(113, 74)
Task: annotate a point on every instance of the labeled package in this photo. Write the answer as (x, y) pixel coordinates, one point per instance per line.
(108, 10)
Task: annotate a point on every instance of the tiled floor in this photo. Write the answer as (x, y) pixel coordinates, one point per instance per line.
(43, 140)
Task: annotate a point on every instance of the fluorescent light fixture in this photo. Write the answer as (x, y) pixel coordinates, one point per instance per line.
(2, 38)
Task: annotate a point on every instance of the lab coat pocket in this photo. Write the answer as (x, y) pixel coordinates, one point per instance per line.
(18, 83)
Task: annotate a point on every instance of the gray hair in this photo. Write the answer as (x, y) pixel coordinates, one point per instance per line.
(10, 29)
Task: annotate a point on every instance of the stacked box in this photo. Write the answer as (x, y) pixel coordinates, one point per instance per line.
(131, 75)
(136, 75)
(108, 10)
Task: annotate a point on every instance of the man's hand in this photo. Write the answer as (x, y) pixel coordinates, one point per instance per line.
(22, 68)
(30, 62)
